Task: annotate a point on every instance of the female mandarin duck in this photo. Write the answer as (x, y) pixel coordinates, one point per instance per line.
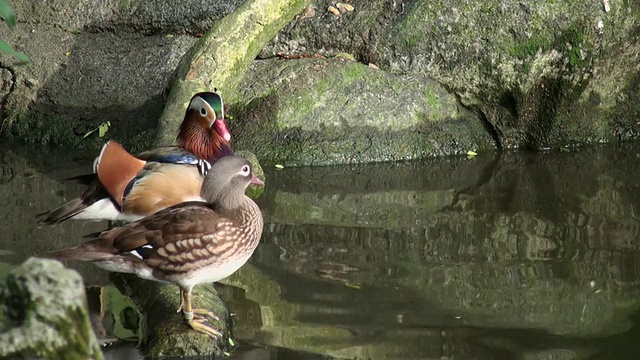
(189, 243)
(155, 179)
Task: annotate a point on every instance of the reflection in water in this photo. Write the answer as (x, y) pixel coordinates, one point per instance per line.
(517, 255)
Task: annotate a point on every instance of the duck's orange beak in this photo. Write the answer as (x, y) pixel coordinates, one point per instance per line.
(221, 128)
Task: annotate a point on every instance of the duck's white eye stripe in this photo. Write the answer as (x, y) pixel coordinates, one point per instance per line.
(198, 104)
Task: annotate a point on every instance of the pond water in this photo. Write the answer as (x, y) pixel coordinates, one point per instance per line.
(501, 256)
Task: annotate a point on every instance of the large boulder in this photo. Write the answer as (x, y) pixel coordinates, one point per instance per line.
(494, 74)
(327, 111)
(541, 74)
(94, 63)
(44, 314)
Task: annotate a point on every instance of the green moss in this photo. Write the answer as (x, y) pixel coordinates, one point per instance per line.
(571, 42)
(433, 103)
(354, 71)
(305, 104)
(576, 38)
(48, 131)
(79, 343)
(432, 100)
(81, 346)
(127, 5)
(408, 36)
(634, 6)
(324, 84)
(530, 46)
(412, 39)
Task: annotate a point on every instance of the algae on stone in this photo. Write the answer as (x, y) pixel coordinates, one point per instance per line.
(45, 314)
(163, 330)
(328, 111)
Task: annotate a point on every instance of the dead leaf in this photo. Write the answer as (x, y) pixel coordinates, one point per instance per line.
(345, 7)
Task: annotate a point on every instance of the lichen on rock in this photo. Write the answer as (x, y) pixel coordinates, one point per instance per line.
(44, 314)
(327, 111)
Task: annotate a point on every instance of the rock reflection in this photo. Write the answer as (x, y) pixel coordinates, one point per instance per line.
(454, 257)
(517, 255)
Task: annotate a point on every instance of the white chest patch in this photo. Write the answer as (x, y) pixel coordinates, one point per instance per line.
(212, 274)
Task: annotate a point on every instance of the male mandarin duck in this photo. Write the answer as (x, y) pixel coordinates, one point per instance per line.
(189, 243)
(124, 187)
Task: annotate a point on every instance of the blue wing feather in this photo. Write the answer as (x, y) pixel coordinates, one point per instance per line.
(169, 154)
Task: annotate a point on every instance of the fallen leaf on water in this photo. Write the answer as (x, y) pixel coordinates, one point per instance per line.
(279, 167)
(333, 10)
(374, 66)
(471, 153)
(353, 285)
(67, 53)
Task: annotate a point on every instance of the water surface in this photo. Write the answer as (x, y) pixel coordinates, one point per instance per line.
(502, 256)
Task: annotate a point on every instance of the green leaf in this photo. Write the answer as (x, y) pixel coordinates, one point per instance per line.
(89, 133)
(7, 49)
(103, 128)
(6, 12)
(353, 285)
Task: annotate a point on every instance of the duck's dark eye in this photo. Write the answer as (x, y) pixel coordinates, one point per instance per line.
(245, 169)
(203, 111)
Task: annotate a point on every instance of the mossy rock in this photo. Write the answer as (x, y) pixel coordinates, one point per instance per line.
(44, 314)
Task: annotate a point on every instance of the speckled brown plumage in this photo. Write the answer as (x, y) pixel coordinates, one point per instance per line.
(189, 243)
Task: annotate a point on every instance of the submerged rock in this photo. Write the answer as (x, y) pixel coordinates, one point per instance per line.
(163, 330)
(44, 314)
